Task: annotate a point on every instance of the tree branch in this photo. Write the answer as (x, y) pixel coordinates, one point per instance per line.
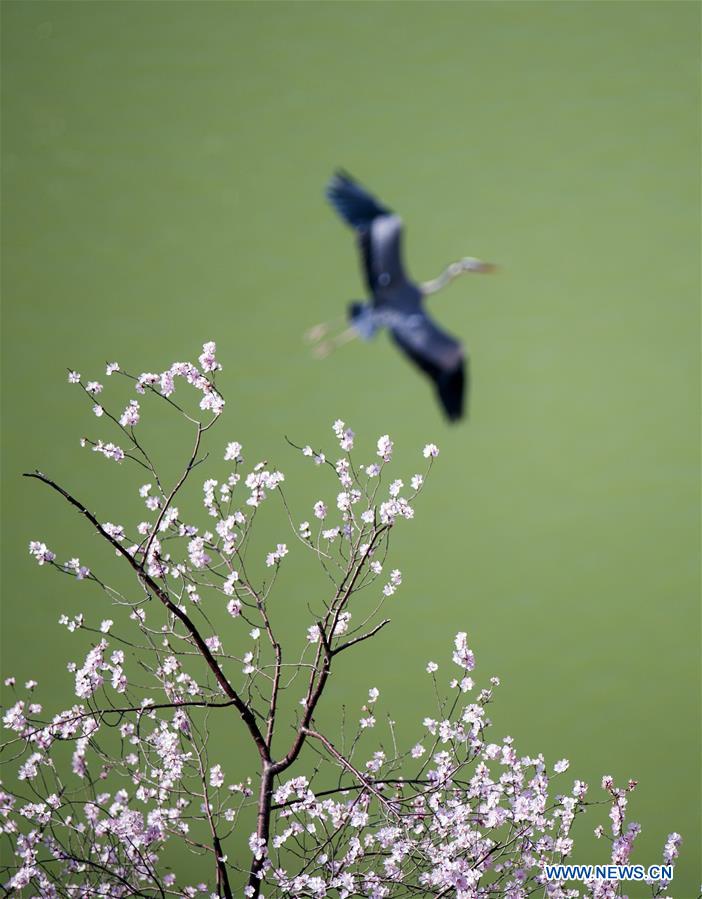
(245, 712)
(360, 639)
(344, 762)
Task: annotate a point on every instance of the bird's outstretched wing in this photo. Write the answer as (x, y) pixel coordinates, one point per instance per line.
(353, 203)
(379, 232)
(439, 355)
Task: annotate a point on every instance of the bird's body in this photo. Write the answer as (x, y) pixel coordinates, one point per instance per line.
(396, 302)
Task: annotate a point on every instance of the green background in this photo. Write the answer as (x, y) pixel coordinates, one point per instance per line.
(164, 166)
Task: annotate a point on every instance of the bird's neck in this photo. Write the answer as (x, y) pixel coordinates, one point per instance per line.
(449, 274)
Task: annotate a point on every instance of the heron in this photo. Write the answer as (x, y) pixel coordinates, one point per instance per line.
(396, 302)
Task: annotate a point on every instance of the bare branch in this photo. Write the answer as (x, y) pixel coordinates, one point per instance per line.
(360, 639)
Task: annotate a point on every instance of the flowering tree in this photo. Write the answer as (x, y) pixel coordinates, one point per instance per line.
(455, 814)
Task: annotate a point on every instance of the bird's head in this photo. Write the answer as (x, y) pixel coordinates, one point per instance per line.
(471, 264)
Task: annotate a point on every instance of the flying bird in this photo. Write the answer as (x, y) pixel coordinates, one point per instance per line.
(396, 302)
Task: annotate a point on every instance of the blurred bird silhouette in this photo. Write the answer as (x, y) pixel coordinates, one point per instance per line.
(397, 303)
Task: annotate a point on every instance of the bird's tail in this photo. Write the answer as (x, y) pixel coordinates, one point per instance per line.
(362, 318)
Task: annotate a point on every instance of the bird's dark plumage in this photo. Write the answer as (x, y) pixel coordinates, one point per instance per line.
(353, 203)
(379, 231)
(440, 357)
(397, 302)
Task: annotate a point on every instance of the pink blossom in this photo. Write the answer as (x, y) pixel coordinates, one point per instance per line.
(167, 383)
(233, 452)
(116, 531)
(14, 719)
(257, 846)
(109, 451)
(41, 552)
(672, 847)
(130, 416)
(385, 448)
(146, 379)
(228, 586)
(344, 435)
(207, 358)
(275, 557)
(248, 668)
(463, 656)
(80, 571)
(196, 551)
(88, 678)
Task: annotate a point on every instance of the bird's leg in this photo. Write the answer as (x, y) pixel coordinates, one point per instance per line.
(318, 332)
(326, 347)
(453, 271)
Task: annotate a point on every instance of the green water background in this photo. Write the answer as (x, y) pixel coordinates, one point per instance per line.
(163, 169)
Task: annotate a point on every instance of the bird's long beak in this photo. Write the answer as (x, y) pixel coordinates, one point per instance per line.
(470, 264)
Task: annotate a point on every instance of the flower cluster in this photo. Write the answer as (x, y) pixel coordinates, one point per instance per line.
(475, 819)
(197, 636)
